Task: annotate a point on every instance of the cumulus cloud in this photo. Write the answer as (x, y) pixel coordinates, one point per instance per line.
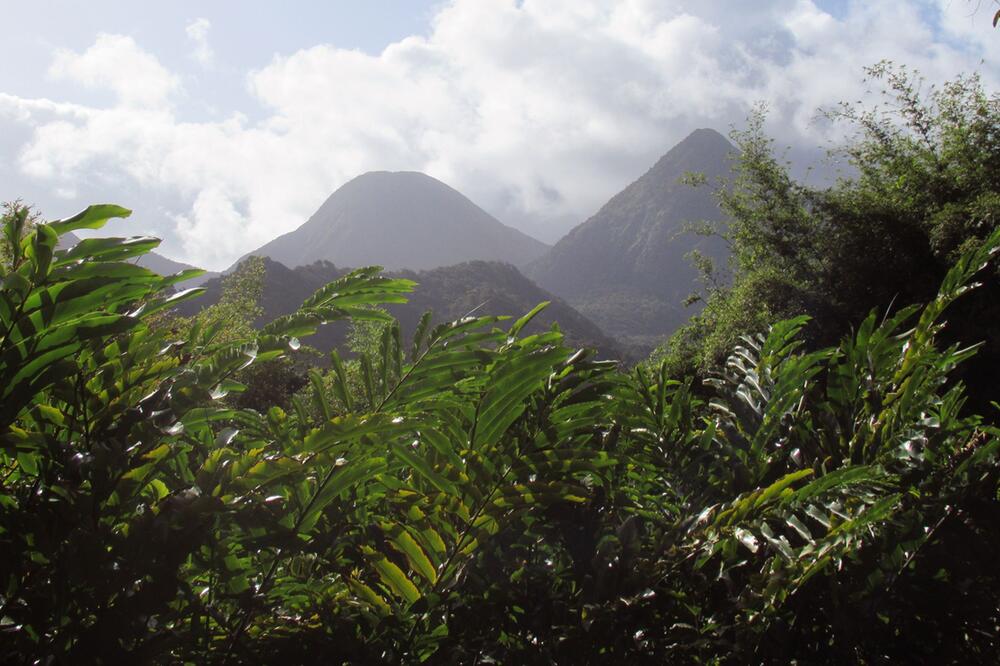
(213, 216)
(116, 63)
(538, 110)
(197, 32)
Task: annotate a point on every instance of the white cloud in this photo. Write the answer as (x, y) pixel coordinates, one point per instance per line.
(211, 221)
(197, 32)
(536, 110)
(116, 63)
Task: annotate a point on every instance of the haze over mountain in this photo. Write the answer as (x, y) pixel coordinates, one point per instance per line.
(625, 267)
(398, 220)
(451, 292)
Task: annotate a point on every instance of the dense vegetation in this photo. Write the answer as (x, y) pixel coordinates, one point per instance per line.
(923, 186)
(485, 494)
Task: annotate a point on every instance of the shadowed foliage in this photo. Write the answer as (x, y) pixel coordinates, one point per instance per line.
(479, 493)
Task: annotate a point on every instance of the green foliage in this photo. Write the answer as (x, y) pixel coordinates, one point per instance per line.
(140, 519)
(18, 219)
(926, 190)
(265, 383)
(480, 494)
(232, 318)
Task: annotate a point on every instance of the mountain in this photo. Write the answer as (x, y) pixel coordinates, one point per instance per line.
(153, 261)
(164, 266)
(67, 240)
(625, 267)
(400, 220)
(450, 292)
(491, 287)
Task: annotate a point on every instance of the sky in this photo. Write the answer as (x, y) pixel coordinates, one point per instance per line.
(224, 124)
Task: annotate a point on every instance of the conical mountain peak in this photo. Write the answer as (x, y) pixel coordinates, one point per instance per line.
(625, 267)
(702, 150)
(401, 219)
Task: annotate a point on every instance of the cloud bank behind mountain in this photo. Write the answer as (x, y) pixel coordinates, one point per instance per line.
(536, 110)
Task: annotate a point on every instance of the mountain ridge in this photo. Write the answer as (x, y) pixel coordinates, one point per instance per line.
(451, 292)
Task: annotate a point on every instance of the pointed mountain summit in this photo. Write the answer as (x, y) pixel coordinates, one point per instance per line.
(625, 267)
(401, 219)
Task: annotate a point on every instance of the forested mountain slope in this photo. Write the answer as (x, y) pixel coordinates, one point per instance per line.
(451, 292)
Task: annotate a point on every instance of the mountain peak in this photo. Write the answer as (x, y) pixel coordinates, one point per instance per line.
(401, 219)
(625, 267)
(702, 150)
(396, 175)
(418, 178)
(704, 134)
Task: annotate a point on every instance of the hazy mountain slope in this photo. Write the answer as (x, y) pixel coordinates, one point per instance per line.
(498, 288)
(153, 261)
(450, 292)
(400, 220)
(164, 266)
(624, 267)
(67, 240)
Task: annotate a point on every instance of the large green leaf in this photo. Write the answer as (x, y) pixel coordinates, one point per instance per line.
(509, 386)
(92, 217)
(108, 249)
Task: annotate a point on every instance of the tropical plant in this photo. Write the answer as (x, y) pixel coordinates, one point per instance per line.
(480, 495)
(139, 519)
